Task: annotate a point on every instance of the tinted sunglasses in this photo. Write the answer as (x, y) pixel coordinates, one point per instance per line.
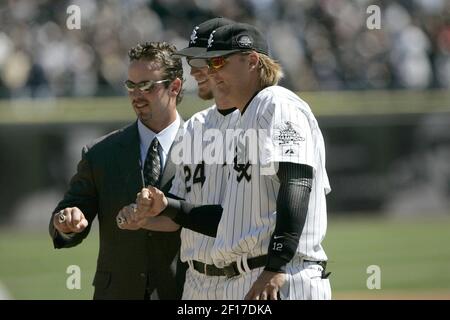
(144, 86)
(214, 63)
(196, 63)
(217, 62)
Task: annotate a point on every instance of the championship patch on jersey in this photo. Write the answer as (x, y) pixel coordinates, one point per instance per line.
(287, 134)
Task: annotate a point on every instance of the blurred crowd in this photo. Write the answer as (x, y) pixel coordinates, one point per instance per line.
(322, 45)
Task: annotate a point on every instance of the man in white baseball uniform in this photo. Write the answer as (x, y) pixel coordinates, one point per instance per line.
(201, 180)
(200, 177)
(274, 217)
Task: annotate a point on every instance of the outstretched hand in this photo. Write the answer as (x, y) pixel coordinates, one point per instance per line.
(267, 286)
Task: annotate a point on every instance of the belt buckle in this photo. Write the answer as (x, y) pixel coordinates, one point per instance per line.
(205, 269)
(231, 270)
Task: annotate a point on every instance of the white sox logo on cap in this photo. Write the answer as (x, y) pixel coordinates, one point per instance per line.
(194, 35)
(211, 40)
(244, 41)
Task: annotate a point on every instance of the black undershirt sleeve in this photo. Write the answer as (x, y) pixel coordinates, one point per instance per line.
(292, 208)
(203, 219)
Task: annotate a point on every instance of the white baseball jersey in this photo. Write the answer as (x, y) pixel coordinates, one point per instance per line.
(287, 131)
(303, 281)
(201, 179)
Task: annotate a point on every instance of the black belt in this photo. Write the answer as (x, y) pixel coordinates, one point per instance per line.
(232, 270)
(207, 269)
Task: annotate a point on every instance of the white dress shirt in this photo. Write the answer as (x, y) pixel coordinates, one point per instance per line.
(165, 139)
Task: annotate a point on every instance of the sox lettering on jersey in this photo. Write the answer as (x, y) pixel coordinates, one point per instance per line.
(242, 169)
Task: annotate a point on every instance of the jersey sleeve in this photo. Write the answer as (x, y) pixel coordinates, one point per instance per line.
(178, 153)
(178, 184)
(285, 134)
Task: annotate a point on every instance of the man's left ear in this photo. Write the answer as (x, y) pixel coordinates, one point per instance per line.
(175, 87)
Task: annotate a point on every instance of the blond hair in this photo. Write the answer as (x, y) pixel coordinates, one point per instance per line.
(270, 71)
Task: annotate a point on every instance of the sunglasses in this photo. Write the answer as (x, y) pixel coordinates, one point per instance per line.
(144, 86)
(196, 63)
(214, 63)
(217, 63)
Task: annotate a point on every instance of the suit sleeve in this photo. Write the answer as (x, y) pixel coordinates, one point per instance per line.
(82, 193)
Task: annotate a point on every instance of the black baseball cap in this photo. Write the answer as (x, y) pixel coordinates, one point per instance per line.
(233, 38)
(199, 37)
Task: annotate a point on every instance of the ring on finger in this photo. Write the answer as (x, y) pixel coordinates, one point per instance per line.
(61, 217)
(120, 220)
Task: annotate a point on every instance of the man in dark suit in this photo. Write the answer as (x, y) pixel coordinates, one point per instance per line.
(138, 264)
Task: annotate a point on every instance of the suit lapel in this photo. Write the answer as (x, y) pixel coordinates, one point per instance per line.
(128, 155)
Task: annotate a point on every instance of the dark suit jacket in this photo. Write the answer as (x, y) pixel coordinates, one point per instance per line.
(108, 178)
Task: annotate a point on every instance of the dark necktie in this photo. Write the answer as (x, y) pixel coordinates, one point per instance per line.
(152, 165)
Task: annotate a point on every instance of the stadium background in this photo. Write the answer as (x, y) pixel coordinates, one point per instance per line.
(381, 98)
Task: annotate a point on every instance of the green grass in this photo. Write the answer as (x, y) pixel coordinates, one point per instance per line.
(413, 257)
(31, 269)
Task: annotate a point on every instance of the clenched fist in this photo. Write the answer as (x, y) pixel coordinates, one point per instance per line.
(150, 202)
(127, 218)
(70, 220)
